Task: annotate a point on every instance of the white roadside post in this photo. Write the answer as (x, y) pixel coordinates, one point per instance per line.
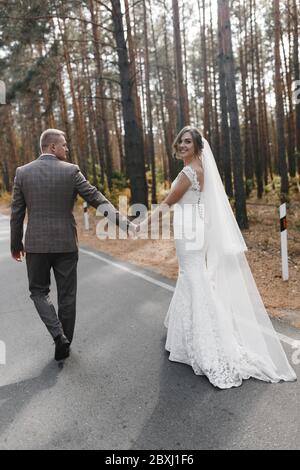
(284, 248)
(2, 353)
(86, 216)
(2, 92)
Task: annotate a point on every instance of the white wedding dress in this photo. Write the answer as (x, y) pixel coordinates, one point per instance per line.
(203, 330)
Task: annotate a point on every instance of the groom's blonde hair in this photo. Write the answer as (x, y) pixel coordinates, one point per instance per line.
(50, 136)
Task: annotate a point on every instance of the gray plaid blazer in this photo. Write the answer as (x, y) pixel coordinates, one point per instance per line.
(48, 187)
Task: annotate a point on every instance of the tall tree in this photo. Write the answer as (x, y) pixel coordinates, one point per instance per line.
(240, 198)
(244, 52)
(296, 70)
(290, 118)
(279, 104)
(102, 129)
(79, 134)
(61, 68)
(216, 131)
(134, 145)
(253, 107)
(149, 108)
(207, 98)
(182, 96)
(225, 136)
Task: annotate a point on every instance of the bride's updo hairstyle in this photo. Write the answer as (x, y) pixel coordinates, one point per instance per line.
(196, 136)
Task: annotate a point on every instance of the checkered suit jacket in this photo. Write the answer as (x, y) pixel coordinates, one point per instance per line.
(48, 187)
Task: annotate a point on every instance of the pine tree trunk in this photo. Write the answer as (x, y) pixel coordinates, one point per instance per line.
(133, 68)
(166, 97)
(149, 108)
(77, 117)
(240, 199)
(269, 158)
(291, 144)
(101, 127)
(262, 116)
(182, 98)
(279, 105)
(288, 101)
(48, 113)
(80, 81)
(134, 146)
(216, 131)
(296, 70)
(225, 136)
(64, 115)
(248, 149)
(253, 112)
(118, 129)
(207, 101)
(92, 125)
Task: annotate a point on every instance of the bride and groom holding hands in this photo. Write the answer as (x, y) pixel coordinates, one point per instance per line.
(216, 320)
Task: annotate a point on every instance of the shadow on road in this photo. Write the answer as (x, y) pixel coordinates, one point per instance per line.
(17, 395)
(192, 414)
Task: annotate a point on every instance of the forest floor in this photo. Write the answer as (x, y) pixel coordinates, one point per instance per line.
(281, 298)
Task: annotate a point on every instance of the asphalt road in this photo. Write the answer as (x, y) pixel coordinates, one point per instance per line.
(118, 390)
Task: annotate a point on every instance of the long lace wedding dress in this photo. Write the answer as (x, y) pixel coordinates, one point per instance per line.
(221, 333)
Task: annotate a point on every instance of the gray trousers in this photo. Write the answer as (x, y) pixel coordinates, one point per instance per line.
(64, 266)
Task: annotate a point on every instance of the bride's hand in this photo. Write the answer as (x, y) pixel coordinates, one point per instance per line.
(136, 231)
(143, 227)
(132, 232)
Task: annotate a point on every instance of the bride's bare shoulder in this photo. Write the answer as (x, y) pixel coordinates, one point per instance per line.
(198, 167)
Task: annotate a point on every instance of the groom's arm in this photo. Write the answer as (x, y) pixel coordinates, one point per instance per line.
(95, 198)
(18, 210)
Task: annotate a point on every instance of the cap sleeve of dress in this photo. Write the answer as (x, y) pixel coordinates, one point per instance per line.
(192, 176)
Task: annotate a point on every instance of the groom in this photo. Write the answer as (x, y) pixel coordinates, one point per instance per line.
(48, 187)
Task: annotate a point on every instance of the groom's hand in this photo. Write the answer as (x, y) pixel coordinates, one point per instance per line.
(132, 231)
(18, 255)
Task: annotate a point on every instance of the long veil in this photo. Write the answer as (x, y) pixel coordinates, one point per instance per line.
(240, 304)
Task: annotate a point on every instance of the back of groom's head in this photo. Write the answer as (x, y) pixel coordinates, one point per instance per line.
(53, 141)
(50, 136)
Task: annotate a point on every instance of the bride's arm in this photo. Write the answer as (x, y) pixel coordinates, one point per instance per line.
(176, 193)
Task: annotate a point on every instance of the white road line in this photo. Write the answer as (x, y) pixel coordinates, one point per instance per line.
(286, 339)
(131, 271)
(4, 228)
(4, 231)
(294, 343)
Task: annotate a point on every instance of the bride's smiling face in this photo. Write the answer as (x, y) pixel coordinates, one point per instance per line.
(185, 146)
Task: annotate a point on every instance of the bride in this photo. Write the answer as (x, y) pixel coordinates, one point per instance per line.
(216, 321)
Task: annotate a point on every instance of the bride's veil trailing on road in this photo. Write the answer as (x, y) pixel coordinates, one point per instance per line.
(239, 304)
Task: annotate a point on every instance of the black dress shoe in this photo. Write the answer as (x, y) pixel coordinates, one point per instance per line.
(62, 348)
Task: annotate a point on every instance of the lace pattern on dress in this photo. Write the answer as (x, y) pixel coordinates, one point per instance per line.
(192, 176)
(195, 338)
